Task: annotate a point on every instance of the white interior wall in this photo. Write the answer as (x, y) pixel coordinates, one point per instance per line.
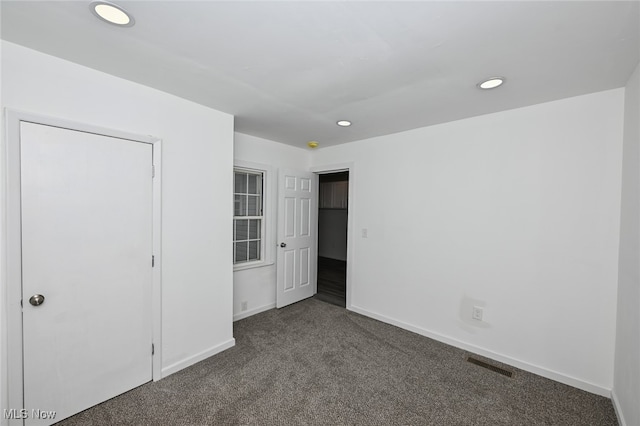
(197, 177)
(626, 388)
(257, 286)
(516, 212)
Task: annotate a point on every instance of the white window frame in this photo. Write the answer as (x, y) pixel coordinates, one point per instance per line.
(268, 216)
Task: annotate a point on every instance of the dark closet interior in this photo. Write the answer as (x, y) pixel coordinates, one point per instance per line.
(333, 209)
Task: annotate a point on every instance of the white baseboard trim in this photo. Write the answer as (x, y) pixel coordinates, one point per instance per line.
(540, 371)
(251, 312)
(618, 409)
(174, 368)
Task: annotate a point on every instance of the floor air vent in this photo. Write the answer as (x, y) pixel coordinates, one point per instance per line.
(490, 367)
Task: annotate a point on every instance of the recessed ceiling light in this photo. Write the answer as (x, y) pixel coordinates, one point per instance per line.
(112, 13)
(344, 123)
(491, 83)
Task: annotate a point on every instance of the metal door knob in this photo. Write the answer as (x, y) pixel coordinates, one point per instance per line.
(36, 299)
(283, 244)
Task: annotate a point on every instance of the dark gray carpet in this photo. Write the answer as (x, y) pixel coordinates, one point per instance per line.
(315, 363)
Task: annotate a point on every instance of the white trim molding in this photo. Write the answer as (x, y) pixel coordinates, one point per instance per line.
(531, 368)
(247, 314)
(345, 167)
(268, 213)
(12, 244)
(618, 409)
(187, 362)
(156, 297)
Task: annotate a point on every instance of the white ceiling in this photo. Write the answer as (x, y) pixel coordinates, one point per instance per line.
(289, 70)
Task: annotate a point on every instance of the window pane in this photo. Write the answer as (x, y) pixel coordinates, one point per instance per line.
(241, 182)
(253, 205)
(241, 252)
(242, 230)
(254, 250)
(254, 184)
(247, 201)
(254, 229)
(239, 205)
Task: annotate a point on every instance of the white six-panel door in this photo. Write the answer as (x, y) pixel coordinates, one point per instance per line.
(86, 248)
(297, 236)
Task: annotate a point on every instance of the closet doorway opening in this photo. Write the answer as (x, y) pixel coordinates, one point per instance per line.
(333, 212)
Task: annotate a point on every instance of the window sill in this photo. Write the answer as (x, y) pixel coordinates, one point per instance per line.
(251, 265)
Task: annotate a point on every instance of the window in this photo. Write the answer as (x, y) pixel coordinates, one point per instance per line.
(248, 218)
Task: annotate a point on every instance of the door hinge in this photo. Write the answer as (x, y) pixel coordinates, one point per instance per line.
(153, 171)
(153, 349)
(153, 261)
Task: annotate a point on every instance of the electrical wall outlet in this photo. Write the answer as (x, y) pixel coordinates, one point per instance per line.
(243, 306)
(476, 314)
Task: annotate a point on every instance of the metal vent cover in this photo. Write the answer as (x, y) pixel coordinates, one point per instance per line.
(488, 366)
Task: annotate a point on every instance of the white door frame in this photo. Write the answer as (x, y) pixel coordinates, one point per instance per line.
(12, 246)
(335, 168)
